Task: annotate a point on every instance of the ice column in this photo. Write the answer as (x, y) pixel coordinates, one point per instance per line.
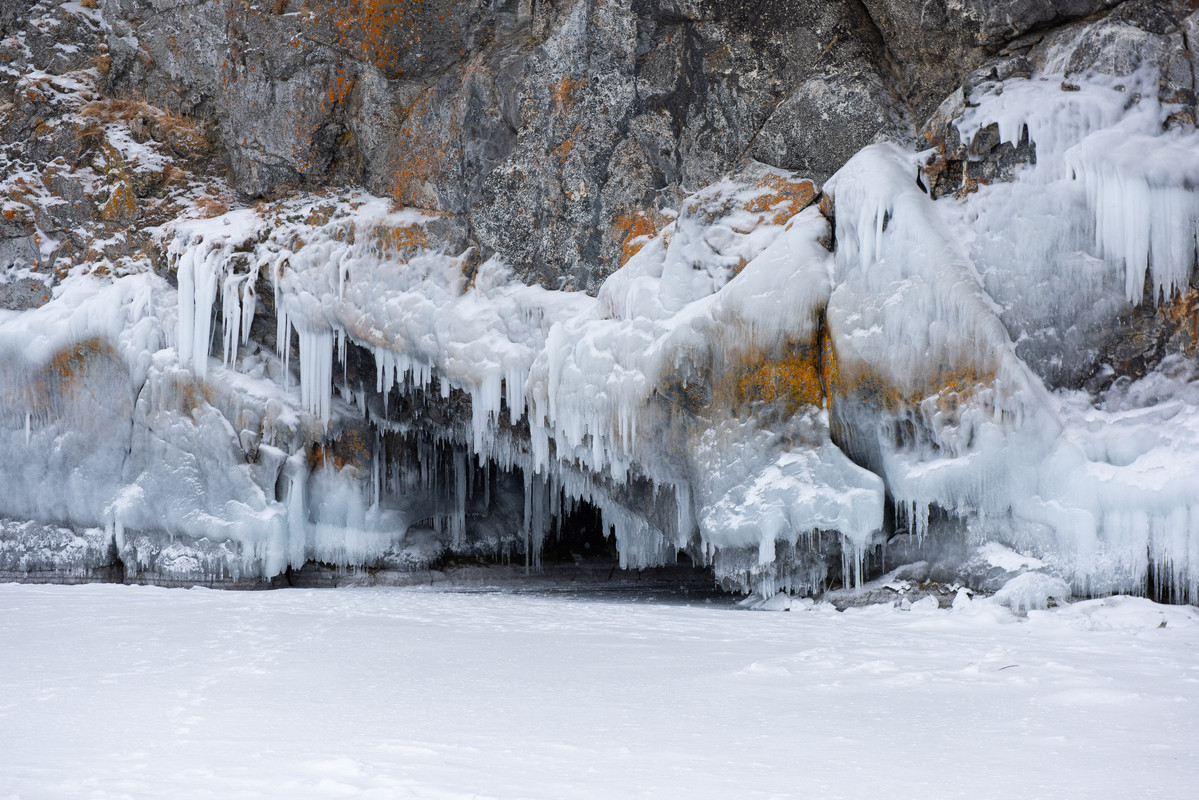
(316, 371)
(197, 276)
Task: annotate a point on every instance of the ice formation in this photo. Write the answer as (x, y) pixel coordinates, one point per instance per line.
(757, 384)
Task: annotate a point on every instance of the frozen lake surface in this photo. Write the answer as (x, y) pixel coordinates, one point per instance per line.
(133, 692)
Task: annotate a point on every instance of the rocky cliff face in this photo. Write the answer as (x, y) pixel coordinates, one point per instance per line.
(785, 287)
(553, 133)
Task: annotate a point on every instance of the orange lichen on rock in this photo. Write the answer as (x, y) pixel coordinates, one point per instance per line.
(350, 450)
(340, 88)
(769, 199)
(952, 386)
(780, 383)
(319, 215)
(121, 203)
(70, 362)
(54, 381)
(785, 196)
(794, 381)
(421, 156)
(1182, 313)
(632, 231)
(562, 151)
(400, 242)
(380, 32)
(949, 385)
(192, 395)
(566, 93)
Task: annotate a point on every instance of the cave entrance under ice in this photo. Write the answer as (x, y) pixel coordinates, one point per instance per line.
(526, 533)
(579, 535)
(471, 508)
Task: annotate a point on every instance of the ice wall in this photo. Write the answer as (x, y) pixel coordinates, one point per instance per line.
(946, 316)
(734, 287)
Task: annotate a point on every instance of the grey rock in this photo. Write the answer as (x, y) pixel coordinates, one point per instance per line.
(858, 105)
(545, 127)
(34, 552)
(936, 43)
(26, 291)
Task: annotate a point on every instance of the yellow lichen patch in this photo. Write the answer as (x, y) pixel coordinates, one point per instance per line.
(1182, 311)
(421, 155)
(633, 231)
(792, 381)
(69, 363)
(121, 203)
(785, 197)
(566, 93)
(350, 450)
(400, 242)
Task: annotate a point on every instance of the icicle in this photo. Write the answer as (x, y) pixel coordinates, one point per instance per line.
(232, 317)
(461, 476)
(206, 278)
(316, 371)
(249, 305)
(487, 486)
(185, 276)
(198, 279)
(342, 342)
(296, 472)
(1146, 211)
(527, 525)
(376, 477)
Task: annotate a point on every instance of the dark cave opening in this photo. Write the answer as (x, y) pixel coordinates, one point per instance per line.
(578, 535)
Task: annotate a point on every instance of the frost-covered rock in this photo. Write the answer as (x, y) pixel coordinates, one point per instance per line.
(1032, 591)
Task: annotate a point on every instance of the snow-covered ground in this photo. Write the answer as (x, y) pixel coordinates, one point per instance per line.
(134, 692)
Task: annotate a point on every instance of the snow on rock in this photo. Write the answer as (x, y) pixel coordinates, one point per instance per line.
(1032, 590)
(1007, 559)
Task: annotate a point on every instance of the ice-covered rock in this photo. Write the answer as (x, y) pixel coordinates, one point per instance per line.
(790, 384)
(1032, 591)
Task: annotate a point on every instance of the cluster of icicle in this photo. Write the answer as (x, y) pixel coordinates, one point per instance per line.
(900, 293)
(580, 371)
